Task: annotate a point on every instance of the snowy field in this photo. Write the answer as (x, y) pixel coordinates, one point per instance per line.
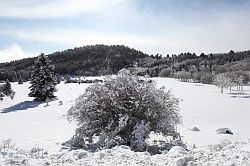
(38, 130)
(204, 107)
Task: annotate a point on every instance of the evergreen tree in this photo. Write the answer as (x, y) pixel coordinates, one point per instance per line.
(6, 90)
(1, 92)
(43, 80)
(20, 79)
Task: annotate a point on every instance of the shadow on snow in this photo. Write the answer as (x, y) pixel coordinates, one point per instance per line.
(239, 95)
(22, 106)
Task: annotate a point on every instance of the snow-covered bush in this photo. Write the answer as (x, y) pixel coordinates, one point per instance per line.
(43, 80)
(123, 111)
(7, 144)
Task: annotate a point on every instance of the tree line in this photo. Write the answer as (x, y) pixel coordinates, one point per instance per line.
(96, 60)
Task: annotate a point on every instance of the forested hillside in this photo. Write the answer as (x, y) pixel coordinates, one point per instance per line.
(98, 60)
(86, 61)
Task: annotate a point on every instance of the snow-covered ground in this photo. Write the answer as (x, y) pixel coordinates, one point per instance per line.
(204, 107)
(30, 125)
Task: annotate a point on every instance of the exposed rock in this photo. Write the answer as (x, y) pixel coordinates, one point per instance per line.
(195, 129)
(224, 131)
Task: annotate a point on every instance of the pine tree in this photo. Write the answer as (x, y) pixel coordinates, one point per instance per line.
(43, 80)
(6, 90)
(1, 92)
(20, 80)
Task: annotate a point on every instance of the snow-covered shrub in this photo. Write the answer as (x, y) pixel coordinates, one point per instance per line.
(7, 144)
(123, 111)
(38, 152)
(43, 80)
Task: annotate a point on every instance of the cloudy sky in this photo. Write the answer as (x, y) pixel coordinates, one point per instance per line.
(29, 27)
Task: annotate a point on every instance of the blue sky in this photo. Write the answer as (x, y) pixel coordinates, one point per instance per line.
(29, 27)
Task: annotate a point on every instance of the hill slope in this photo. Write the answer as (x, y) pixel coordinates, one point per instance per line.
(87, 60)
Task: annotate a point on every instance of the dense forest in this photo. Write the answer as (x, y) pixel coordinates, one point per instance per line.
(85, 61)
(98, 60)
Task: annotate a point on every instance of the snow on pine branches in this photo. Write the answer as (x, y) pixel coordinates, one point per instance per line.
(123, 111)
(43, 80)
(6, 90)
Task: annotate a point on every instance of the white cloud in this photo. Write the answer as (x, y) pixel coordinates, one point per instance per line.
(14, 52)
(52, 9)
(212, 39)
(144, 29)
(75, 38)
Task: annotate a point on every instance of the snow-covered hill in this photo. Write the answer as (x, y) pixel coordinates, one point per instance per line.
(33, 125)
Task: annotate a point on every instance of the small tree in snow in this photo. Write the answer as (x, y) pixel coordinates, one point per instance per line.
(1, 92)
(79, 80)
(43, 80)
(222, 81)
(6, 90)
(20, 80)
(123, 111)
